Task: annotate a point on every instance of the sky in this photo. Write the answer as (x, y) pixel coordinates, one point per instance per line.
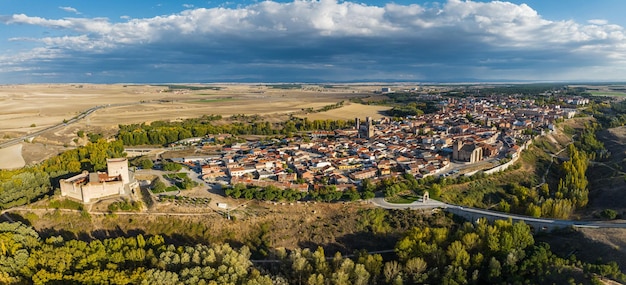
(187, 41)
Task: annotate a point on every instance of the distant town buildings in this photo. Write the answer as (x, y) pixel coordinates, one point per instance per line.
(465, 130)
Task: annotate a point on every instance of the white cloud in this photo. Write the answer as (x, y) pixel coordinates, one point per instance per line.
(69, 9)
(457, 32)
(38, 21)
(497, 22)
(15, 62)
(598, 22)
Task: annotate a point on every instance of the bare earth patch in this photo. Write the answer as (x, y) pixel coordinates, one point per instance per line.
(350, 111)
(11, 157)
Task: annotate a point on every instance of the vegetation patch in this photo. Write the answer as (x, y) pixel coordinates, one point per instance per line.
(181, 180)
(125, 206)
(190, 87)
(403, 199)
(65, 204)
(432, 251)
(600, 93)
(215, 100)
(285, 86)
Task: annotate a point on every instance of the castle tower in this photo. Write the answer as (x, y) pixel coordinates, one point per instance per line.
(458, 144)
(357, 125)
(369, 127)
(118, 166)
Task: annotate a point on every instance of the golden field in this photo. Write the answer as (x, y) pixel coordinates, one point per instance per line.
(29, 108)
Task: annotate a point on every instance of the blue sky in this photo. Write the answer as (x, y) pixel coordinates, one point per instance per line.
(49, 41)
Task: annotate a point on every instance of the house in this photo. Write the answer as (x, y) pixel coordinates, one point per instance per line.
(236, 171)
(363, 174)
(338, 178)
(287, 177)
(307, 175)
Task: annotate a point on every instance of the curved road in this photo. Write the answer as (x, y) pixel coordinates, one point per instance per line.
(473, 212)
(430, 204)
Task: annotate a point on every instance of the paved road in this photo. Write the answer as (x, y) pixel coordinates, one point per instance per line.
(430, 204)
(473, 212)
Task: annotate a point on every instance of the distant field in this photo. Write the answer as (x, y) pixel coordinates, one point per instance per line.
(29, 108)
(349, 112)
(604, 93)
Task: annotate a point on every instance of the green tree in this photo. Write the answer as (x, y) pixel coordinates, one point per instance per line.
(172, 166)
(146, 164)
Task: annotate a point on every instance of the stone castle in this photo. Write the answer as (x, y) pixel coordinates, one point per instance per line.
(87, 187)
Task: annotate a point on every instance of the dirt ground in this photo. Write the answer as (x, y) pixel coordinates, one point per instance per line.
(305, 225)
(350, 111)
(11, 157)
(590, 245)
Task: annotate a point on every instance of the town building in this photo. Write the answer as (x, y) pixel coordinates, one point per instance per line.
(467, 152)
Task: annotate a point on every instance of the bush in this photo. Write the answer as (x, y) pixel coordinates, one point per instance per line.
(608, 214)
(66, 204)
(125, 205)
(146, 164)
(158, 186)
(171, 166)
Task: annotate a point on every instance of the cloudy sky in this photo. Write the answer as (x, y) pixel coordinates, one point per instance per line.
(142, 41)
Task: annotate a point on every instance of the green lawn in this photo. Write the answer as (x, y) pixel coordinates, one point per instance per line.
(180, 175)
(403, 199)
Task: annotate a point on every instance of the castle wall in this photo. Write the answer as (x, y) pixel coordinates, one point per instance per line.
(71, 190)
(71, 187)
(93, 191)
